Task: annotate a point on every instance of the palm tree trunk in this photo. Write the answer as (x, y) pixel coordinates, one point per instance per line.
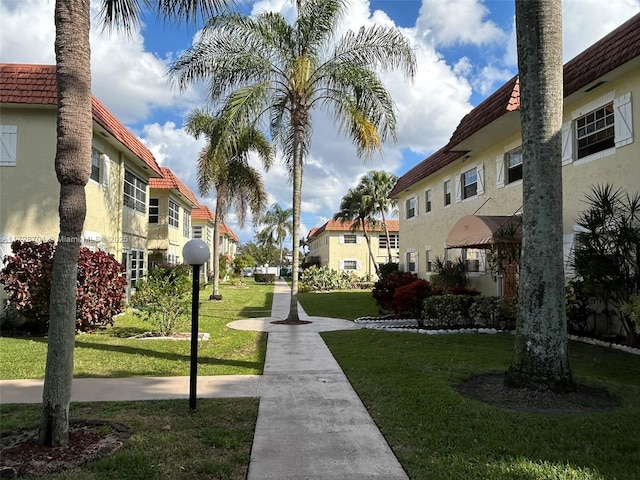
(540, 358)
(217, 221)
(297, 200)
(73, 167)
(368, 240)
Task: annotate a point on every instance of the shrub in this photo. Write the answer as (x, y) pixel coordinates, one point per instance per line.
(27, 280)
(449, 276)
(162, 298)
(323, 279)
(407, 299)
(264, 277)
(385, 288)
(458, 310)
(388, 268)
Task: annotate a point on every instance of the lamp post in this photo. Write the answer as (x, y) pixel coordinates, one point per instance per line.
(195, 252)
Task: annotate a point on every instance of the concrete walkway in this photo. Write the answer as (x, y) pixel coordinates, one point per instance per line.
(311, 423)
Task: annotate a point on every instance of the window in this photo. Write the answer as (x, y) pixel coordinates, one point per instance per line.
(514, 165)
(8, 145)
(474, 259)
(186, 223)
(196, 231)
(137, 266)
(427, 200)
(154, 210)
(393, 240)
(412, 262)
(349, 238)
(411, 207)
(349, 264)
(174, 214)
(447, 192)
(427, 258)
(469, 183)
(595, 131)
(135, 192)
(95, 165)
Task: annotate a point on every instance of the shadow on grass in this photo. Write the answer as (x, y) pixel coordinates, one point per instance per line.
(202, 360)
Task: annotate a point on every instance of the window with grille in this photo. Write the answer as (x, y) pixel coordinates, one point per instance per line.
(411, 207)
(350, 238)
(350, 265)
(95, 165)
(154, 210)
(469, 183)
(135, 192)
(427, 200)
(393, 240)
(174, 214)
(514, 165)
(447, 192)
(595, 131)
(197, 231)
(186, 223)
(412, 262)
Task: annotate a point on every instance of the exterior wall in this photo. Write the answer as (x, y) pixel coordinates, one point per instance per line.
(428, 231)
(164, 237)
(332, 251)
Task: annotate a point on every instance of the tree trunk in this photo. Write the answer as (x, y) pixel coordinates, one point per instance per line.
(297, 200)
(386, 232)
(368, 240)
(217, 221)
(73, 167)
(540, 358)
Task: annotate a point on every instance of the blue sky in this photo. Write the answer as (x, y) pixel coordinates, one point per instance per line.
(465, 51)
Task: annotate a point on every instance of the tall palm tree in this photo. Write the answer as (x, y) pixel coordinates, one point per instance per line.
(376, 185)
(277, 226)
(356, 208)
(265, 67)
(223, 164)
(73, 167)
(541, 358)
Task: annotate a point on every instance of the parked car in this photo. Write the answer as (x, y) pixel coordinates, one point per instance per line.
(247, 272)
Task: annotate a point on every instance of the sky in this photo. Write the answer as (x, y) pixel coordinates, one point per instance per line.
(465, 50)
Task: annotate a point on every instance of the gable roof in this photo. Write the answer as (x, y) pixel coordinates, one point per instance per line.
(202, 212)
(36, 85)
(393, 225)
(171, 182)
(610, 52)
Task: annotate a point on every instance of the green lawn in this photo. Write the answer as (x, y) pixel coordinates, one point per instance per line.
(406, 381)
(111, 353)
(339, 304)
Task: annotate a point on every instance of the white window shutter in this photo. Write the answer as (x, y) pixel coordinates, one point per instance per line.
(500, 171)
(622, 123)
(482, 257)
(8, 145)
(104, 159)
(458, 189)
(341, 265)
(480, 172)
(341, 239)
(567, 143)
(358, 265)
(5, 247)
(358, 239)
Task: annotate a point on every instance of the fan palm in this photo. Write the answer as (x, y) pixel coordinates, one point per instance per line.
(223, 164)
(264, 67)
(376, 186)
(277, 226)
(73, 167)
(356, 208)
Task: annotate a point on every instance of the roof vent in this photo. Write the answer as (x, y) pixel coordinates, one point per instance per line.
(594, 86)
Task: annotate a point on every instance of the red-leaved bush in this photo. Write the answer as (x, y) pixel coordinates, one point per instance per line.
(407, 299)
(27, 280)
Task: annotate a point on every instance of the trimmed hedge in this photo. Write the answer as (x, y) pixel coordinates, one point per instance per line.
(264, 277)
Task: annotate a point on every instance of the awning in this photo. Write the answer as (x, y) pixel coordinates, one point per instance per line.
(482, 231)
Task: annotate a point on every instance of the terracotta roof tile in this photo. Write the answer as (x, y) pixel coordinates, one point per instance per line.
(202, 212)
(612, 51)
(36, 85)
(170, 181)
(337, 226)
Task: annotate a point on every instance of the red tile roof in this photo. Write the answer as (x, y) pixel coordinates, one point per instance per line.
(170, 181)
(338, 226)
(36, 85)
(202, 212)
(612, 51)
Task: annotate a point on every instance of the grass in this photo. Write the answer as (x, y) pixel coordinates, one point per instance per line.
(111, 353)
(406, 381)
(167, 441)
(339, 304)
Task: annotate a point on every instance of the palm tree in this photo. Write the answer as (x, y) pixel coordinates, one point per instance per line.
(223, 164)
(356, 208)
(377, 184)
(540, 358)
(73, 167)
(264, 67)
(278, 226)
